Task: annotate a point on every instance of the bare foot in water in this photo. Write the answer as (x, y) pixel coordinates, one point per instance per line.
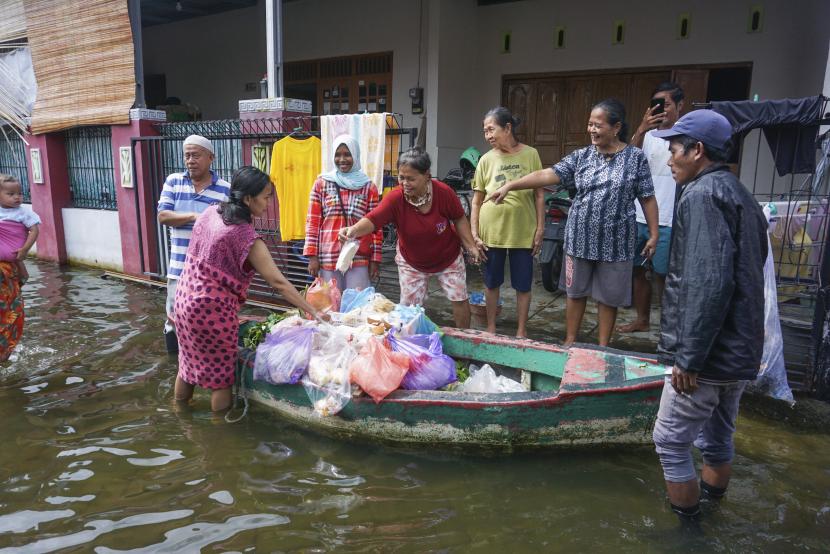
(634, 327)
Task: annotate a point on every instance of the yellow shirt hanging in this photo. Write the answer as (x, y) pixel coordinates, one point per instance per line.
(295, 164)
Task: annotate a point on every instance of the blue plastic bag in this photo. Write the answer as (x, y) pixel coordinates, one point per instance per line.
(429, 367)
(414, 321)
(353, 299)
(283, 356)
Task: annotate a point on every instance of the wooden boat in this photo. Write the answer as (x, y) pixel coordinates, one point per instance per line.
(576, 396)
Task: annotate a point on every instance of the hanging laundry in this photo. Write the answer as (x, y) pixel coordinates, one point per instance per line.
(372, 141)
(331, 127)
(295, 164)
(370, 132)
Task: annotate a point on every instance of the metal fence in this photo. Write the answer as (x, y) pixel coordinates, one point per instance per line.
(13, 159)
(800, 206)
(229, 138)
(90, 167)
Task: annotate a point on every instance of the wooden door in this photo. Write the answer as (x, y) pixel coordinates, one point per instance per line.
(694, 83)
(612, 86)
(579, 99)
(641, 88)
(547, 123)
(374, 93)
(520, 100)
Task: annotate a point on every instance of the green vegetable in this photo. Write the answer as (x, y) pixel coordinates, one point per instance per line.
(462, 370)
(256, 333)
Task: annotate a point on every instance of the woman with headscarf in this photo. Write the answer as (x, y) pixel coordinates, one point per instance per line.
(340, 198)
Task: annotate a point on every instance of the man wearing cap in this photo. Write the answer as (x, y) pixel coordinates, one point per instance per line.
(712, 326)
(183, 197)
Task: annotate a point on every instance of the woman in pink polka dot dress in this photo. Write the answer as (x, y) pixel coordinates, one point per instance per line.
(224, 253)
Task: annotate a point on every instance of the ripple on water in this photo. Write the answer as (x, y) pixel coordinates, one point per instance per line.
(26, 520)
(100, 527)
(56, 500)
(90, 449)
(222, 497)
(166, 457)
(194, 537)
(80, 475)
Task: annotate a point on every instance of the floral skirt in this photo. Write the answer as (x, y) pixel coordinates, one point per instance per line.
(11, 309)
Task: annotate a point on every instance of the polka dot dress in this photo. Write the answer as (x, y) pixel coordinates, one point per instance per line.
(210, 291)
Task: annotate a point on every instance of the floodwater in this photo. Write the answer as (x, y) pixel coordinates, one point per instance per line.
(94, 458)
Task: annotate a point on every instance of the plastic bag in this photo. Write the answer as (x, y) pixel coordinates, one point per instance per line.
(772, 378)
(484, 379)
(284, 355)
(411, 320)
(327, 382)
(354, 299)
(324, 296)
(377, 370)
(347, 252)
(429, 367)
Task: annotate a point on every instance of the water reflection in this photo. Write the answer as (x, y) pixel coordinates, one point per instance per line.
(96, 458)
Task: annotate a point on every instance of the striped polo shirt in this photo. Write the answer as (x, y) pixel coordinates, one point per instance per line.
(179, 195)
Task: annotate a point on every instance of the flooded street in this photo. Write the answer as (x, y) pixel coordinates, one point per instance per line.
(96, 458)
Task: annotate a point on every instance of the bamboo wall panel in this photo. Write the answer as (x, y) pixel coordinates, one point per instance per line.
(82, 53)
(12, 20)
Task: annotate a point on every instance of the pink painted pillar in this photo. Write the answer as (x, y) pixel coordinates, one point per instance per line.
(50, 195)
(135, 203)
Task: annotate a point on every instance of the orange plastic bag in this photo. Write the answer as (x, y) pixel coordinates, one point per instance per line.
(377, 370)
(324, 296)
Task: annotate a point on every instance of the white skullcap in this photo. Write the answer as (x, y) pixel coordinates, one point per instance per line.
(199, 140)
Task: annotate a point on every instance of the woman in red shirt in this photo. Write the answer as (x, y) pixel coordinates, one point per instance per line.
(431, 230)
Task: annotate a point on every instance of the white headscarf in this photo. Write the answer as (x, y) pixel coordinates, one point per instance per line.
(355, 178)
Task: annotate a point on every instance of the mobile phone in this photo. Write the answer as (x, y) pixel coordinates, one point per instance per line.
(660, 103)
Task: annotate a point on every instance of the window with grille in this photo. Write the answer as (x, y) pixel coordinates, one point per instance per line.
(90, 167)
(13, 160)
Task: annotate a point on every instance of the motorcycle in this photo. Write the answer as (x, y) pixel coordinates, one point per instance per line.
(553, 241)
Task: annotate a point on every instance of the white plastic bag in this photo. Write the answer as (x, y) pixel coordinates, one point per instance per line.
(347, 252)
(327, 380)
(772, 378)
(484, 379)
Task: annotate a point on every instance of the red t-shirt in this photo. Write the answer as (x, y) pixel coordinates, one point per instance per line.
(428, 242)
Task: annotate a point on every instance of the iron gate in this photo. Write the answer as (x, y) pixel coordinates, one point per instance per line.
(234, 142)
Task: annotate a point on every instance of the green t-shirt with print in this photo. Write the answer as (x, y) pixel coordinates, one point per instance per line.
(512, 223)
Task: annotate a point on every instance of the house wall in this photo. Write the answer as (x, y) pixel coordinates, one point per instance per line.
(93, 237)
(461, 62)
(212, 74)
(789, 56)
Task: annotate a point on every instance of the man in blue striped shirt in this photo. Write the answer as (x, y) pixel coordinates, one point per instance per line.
(183, 197)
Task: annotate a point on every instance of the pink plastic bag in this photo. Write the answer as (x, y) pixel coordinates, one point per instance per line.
(325, 296)
(377, 370)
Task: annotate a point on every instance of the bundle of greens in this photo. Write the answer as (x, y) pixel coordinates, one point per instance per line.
(257, 332)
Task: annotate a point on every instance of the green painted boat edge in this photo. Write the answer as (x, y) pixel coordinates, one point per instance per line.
(592, 415)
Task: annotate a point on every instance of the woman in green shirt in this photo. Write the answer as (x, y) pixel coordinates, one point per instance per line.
(511, 230)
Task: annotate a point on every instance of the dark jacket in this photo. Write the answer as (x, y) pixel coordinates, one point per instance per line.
(713, 304)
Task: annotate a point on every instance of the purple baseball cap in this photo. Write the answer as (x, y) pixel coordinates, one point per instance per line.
(707, 126)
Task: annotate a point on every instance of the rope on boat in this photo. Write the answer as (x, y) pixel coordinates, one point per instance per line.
(239, 390)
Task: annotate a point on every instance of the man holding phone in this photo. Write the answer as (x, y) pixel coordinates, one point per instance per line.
(664, 110)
